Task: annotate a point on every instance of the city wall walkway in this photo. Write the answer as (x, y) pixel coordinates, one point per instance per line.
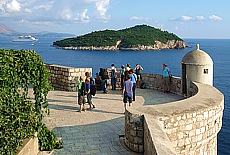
(98, 131)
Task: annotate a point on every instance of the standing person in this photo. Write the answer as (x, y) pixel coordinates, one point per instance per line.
(127, 70)
(105, 79)
(127, 91)
(166, 74)
(98, 82)
(88, 82)
(113, 72)
(138, 69)
(81, 94)
(133, 78)
(127, 67)
(122, 75)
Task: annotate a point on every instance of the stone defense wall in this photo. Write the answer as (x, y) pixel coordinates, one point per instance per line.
(134, 132)
(188, 126)
(196, 132)
(155, 81)
(65, 78)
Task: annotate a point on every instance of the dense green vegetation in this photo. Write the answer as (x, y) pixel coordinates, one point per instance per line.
(130, 37)
(20, 116)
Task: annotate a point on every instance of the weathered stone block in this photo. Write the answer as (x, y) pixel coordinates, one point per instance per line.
(188, 141)
(135, 147)
(188, 127)
(192, 133)
(176, 124)
(180, 135)
(140, 133)
(132, 132)
(198, 132)
(189, 121)
(181, 122)
(199, 137)
(199, 117)
(181, 142)
(140, 148)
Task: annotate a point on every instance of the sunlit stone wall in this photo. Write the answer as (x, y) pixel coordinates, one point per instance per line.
(66, 78)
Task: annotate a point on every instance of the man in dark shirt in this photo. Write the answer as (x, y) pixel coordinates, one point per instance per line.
(105, 79)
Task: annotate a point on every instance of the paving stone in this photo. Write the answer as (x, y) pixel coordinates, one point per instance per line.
(94, 132)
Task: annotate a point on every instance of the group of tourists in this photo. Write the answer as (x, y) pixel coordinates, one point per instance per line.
(130, 80)
(86, 88)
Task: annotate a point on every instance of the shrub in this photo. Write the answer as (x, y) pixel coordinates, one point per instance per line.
(20, 116)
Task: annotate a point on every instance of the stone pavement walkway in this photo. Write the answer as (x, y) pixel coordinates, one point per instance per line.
(98, 131)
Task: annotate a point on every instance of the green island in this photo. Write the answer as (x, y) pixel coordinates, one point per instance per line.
(140, 37)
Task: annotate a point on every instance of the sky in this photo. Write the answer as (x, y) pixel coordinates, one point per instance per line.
(187, 19)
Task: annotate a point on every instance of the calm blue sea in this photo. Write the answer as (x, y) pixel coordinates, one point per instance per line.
(151, 61)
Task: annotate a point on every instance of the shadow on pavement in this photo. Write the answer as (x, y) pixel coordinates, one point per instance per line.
(97, 139)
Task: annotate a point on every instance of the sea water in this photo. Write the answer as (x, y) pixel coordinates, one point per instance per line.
(151, 61)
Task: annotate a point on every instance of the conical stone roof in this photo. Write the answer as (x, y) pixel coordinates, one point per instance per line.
(197, 57)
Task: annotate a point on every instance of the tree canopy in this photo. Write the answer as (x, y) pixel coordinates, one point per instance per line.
(129, 37)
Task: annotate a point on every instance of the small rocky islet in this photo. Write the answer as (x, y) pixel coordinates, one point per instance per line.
(140, 37)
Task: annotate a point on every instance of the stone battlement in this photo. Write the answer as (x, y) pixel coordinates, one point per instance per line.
(188, 126)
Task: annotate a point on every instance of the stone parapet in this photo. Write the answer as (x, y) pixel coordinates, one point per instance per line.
(188, 126)
(66, 78)
(155, 81)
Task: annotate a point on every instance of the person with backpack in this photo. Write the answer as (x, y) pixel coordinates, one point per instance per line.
(113, 72)
(133, 78)
(98, 82)
(137, 70)
(81, 94)
(89, 82)
(105, 79)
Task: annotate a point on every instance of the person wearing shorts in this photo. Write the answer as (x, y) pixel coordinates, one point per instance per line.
(89, 80)
(166, 74)
(81, 94)
(127, 91)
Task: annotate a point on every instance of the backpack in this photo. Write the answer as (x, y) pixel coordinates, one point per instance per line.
(92, 81)
(126, 73)
(92, 87)
(113, 74)
(83, 88)
(143, 86)
(104, 74)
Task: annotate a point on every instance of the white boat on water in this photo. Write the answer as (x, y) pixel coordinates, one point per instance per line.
(22, 38)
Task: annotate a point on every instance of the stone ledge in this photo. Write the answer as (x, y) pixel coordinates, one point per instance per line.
(29, 147)
(155, 133)
(187, 126)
